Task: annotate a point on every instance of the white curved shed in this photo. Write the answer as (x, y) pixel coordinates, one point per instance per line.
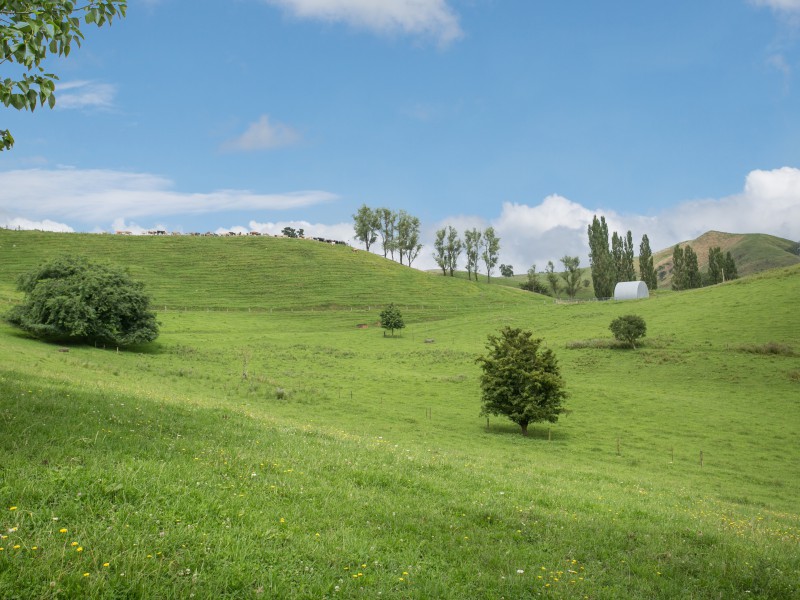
(631, 290)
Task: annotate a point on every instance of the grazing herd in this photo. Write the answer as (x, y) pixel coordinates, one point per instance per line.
(233, 234)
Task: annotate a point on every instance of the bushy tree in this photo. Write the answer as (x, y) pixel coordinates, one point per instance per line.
(408, 243)
(628, 329)
(366, 223)
(532, 284)
(29, 31)
(520, 379)
(391, 319)
(73, 299)
(506, 270)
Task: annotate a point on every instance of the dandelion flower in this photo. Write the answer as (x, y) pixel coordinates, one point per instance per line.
(85, 574)
(12, 508)
(105, 564)
(79, 549)
(62, 530)
(74, 544)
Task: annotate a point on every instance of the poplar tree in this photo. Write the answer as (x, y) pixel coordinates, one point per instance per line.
(647, 271)
(472, 248)
(366, 223)
(491, 251)
(604, 276)
(552, 277)
(628, 271)
(453, 248)
(439, 251)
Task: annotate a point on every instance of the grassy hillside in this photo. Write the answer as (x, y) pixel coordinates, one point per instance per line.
(753, 252)
(243, 273)
(296, 455)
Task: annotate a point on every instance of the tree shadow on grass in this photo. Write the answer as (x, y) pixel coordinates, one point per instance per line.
(537, 432)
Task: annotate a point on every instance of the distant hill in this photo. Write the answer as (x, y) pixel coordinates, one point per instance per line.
(753, 253)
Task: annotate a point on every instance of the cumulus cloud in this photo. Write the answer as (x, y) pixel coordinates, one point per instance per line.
(262, 135)
(537, 233)
(92, 196)
(9, 222)
(428, 18)
(85, 94)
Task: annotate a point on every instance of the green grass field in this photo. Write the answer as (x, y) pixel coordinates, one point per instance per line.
(273, 443)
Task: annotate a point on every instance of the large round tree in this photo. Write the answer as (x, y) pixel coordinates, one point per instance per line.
(521, 380)
(72, 299)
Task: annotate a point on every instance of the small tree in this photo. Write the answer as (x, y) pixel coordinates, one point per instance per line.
(628, 328)
(552, 277)
(72, 299)
(506, 270)
(490, 253)
(572, 274)
(391, 319)
(520, 380)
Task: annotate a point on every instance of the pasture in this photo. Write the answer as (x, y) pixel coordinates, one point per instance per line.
(272, 443)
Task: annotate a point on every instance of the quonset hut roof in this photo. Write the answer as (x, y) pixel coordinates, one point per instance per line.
(631, 290)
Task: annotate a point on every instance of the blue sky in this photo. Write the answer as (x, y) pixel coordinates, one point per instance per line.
(668, 117)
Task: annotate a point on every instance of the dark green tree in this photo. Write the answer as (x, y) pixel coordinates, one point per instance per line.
(678, 268)
(366, 224)
(618, 256)
(628, 329)
(473, 239)
(289, 232)
(604, 276)
(72, 299)
(490, 252)
(391, 319)
(506, 270)
(647, 272)
(571, 275)
(532, 284)
(729, 271)
(29, 31)
(692, 268)
(628, 270)
(520, 380)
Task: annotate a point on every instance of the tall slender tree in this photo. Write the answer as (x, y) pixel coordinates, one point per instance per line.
(472, 249)
(628, 271)
(730, 271)
(647, 272)
(716, 265)
(439, 250)
(387, 230)
(618, 255)
(693, 279)
(454, 247)
(600, 260)
(678, 268)
(490, 251)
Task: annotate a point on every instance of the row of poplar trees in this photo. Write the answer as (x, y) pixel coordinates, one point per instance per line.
(686, 271)
(615, 263)
(477, 245)
(398, 232)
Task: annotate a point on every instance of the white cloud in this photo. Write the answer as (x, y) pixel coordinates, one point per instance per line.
(262, 135)
(85, 94)
(535, 234)
(92, 196)
(339, 231)
(26, 224)
(782, 5)
(429, 18)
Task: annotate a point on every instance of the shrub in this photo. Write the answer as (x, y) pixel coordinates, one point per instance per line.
(72, 299)
(628, 328)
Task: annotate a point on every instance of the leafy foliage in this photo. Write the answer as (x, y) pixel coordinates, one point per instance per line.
(507, 270)
(572, 274)
(520, 380)
(72, 299)
(29, 31)
(685, 269)
(366, 223)
(552, 278)
(473, 238)
(628, 329)
(490, 252)
(533, 284)
(392, 319)
(720, 267)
